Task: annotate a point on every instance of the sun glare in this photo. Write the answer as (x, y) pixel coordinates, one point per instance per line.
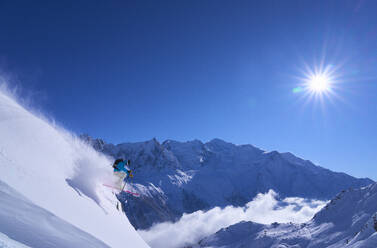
(319, 83)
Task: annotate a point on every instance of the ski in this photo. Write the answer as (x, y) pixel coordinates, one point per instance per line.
(120, 190)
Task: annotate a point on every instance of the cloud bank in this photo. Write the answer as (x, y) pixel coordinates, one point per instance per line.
(264, 209)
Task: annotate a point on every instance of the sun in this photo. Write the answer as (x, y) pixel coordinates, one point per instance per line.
(319, 83)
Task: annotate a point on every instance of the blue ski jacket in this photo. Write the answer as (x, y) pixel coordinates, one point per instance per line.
(121, 166)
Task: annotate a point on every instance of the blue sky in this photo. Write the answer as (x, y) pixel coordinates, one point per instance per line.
(183, 70)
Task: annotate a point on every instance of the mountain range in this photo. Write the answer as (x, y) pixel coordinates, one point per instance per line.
(183, 177)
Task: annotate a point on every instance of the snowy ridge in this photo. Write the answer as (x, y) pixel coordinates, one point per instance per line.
(194, 176)
(348, 220)
(54, 183)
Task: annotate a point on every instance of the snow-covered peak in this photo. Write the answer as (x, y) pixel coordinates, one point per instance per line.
(348, 220)
(350, 206)
(190, 154)
(152, 145)
(294, 159)
(219, 145)
(97, 144)
(219, 142)
(193, 143)
(272, 154)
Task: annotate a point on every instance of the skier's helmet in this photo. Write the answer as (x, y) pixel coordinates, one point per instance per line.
(118, 161)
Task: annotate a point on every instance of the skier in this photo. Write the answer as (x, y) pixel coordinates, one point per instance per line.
(122, 171)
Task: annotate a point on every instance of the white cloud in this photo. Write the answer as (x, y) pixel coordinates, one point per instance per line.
(264, 208)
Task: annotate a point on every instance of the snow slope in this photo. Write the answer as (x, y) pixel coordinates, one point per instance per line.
(184, 177)
(22, 220)
(6, 242)
(50, 180)
(349, 220)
